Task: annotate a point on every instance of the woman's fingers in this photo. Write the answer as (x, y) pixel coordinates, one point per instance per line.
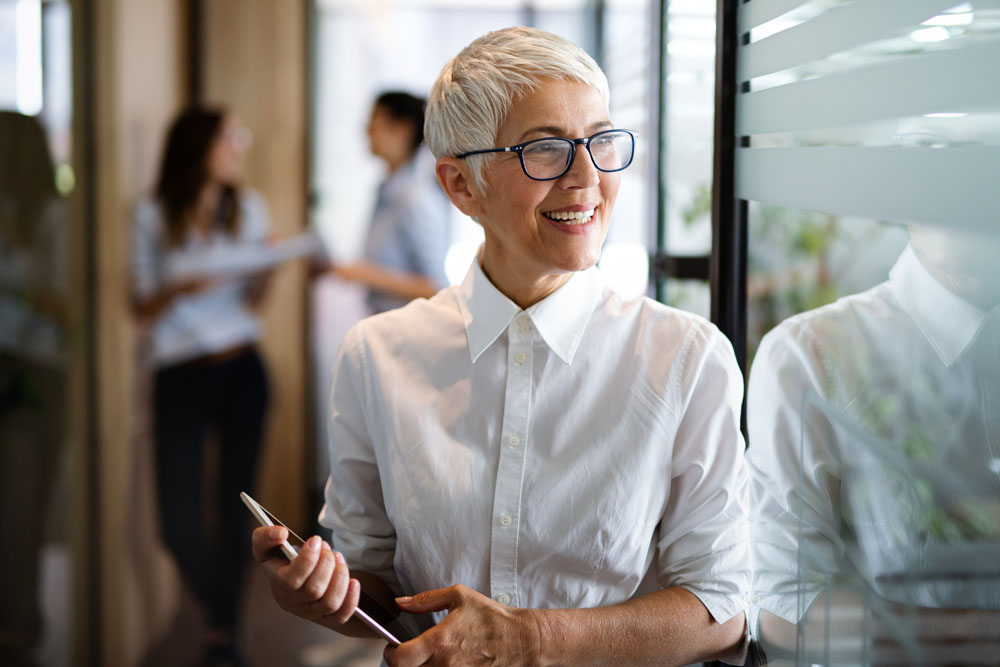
(438, 599)
(336, 591)
(299, 570)
(352, 596)
(315, 587)
(265, 542)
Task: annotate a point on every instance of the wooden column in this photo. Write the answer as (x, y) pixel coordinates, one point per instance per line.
(138, 71)
(255, 64)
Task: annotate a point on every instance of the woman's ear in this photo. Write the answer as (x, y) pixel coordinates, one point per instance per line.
(456, 181)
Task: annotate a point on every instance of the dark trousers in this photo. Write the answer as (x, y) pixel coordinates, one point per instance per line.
(209, 537)
(31, 443)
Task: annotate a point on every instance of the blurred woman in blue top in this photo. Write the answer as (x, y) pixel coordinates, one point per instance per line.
(409, 236)
(204, 334)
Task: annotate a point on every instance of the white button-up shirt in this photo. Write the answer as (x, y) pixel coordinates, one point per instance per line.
(214, 319)
(574, 454)
(874, 427)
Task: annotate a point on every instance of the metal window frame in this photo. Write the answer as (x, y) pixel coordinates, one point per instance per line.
(728, 263)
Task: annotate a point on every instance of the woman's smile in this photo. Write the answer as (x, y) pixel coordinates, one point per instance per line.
(578, 214)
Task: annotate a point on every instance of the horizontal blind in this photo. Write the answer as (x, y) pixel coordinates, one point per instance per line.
(881, 108)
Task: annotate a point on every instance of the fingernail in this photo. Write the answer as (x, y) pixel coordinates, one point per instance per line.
(313, 543)
(275, 534)
(326, 546)
(340, 557)
(406, 599)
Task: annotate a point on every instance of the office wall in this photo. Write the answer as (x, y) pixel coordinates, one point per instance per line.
(254, 61)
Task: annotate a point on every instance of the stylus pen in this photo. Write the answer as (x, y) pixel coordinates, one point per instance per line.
(370, 622)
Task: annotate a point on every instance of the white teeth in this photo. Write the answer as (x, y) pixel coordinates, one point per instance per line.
(571, 217)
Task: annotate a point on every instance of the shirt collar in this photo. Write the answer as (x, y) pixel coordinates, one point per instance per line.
(559, 318)
(949, 322)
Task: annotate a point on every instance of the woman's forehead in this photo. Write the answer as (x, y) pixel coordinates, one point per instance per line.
(556, 108)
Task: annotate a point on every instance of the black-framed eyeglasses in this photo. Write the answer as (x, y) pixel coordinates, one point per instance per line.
(550, 158)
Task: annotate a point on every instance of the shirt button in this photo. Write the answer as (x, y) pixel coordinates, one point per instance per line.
(505, 521)
(525, 324)
(520, 358)
(513, 441)
(503, 598)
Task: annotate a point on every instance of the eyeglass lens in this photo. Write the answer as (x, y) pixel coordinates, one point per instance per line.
(550, 158)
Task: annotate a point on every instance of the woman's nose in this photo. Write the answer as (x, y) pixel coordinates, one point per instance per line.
(582, 172)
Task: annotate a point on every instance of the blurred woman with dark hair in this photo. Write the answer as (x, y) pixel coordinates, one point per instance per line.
(204, 334)
(409, 234)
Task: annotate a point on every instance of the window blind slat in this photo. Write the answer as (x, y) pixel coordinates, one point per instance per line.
(949, 186)
(906, 86)
(837, 30)
(756, 12)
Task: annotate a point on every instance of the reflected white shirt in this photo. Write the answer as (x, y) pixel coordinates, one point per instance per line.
(574, 454)
(846, 392)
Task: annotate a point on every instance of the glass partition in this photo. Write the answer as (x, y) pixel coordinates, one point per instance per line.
(868, 142)
(43, 446)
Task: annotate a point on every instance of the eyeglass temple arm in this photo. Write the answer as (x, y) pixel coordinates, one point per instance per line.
(507, 149)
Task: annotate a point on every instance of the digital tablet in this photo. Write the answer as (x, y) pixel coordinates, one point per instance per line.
(387, 625)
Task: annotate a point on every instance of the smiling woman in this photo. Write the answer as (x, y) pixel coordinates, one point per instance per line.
(557, 467)
(532, 244)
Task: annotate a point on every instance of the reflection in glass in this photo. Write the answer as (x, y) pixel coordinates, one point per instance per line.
(41, 325)
(874, 427)
(800, 260)
(691, 295)
(33, 285)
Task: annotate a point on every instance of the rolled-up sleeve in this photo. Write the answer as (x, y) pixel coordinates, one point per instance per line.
(703, 544)
(354, 506)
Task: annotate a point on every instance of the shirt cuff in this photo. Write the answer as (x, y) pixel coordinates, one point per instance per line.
(722, 606)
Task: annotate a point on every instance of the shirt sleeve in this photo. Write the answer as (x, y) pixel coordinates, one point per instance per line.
(426, 233)
(256, 220)
(147, 230)
(355, 508)
(794, 488)
(704, 533)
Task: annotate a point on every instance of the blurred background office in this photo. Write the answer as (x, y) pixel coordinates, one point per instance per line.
(784, 147)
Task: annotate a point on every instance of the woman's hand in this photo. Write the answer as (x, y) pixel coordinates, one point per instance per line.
(316, 586)
(476, 631)
(153, 306)
(256, 288)
(192, 286)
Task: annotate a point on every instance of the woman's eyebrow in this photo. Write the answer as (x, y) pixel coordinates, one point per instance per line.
(548, 130)
(553, 131)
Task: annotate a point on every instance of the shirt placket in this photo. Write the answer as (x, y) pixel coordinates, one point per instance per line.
(510, 468)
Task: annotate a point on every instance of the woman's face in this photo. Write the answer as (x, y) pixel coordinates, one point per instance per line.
(225, 157)
(389, 138)
(965, 262)
(524, 241)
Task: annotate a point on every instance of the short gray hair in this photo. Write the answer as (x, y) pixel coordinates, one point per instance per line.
(476, 89)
